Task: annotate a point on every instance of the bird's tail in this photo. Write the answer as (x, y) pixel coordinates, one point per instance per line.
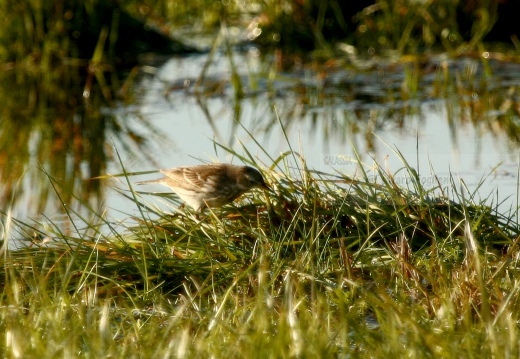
(148, 182)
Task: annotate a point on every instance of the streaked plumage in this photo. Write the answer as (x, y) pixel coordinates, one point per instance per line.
(212, 185)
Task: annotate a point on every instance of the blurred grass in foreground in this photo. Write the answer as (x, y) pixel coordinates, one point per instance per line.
(329, 266)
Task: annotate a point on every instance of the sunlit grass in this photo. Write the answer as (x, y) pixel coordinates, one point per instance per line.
(328, 266)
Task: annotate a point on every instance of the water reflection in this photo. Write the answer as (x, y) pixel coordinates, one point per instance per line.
(52, 139)
(342, 101)
(436, 108)
(460, 114)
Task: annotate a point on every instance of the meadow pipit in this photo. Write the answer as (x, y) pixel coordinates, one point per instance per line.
(212, 185)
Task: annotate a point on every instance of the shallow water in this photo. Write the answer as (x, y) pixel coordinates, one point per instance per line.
(458, 118)
(457, 133)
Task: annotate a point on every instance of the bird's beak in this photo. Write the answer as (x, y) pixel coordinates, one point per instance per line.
(265, 187)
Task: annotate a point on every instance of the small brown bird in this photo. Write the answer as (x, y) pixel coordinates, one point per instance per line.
(212, 185)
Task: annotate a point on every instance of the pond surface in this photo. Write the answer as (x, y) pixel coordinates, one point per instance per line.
(456, 117)
(458, 122)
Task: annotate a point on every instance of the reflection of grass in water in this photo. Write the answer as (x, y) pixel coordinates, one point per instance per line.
(47, 126)
(339, 100)
(49, 31)
(42, 39)
(329, 265)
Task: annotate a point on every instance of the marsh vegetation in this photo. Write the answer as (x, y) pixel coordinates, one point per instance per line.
(369, 262)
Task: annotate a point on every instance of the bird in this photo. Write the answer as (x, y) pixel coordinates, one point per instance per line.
(210, 185)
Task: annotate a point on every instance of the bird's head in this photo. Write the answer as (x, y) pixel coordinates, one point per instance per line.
(249, 178)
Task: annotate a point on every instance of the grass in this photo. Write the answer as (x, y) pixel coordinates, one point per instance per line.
(330, 266)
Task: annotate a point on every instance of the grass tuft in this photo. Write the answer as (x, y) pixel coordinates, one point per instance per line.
(329, 265)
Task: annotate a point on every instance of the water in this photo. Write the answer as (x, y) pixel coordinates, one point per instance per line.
(458, 118)
(453, 134)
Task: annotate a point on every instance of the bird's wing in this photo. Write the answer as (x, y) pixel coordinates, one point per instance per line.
(191, 177)
(196, 178)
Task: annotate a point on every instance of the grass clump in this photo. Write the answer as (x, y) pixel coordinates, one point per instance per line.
(329, 266)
